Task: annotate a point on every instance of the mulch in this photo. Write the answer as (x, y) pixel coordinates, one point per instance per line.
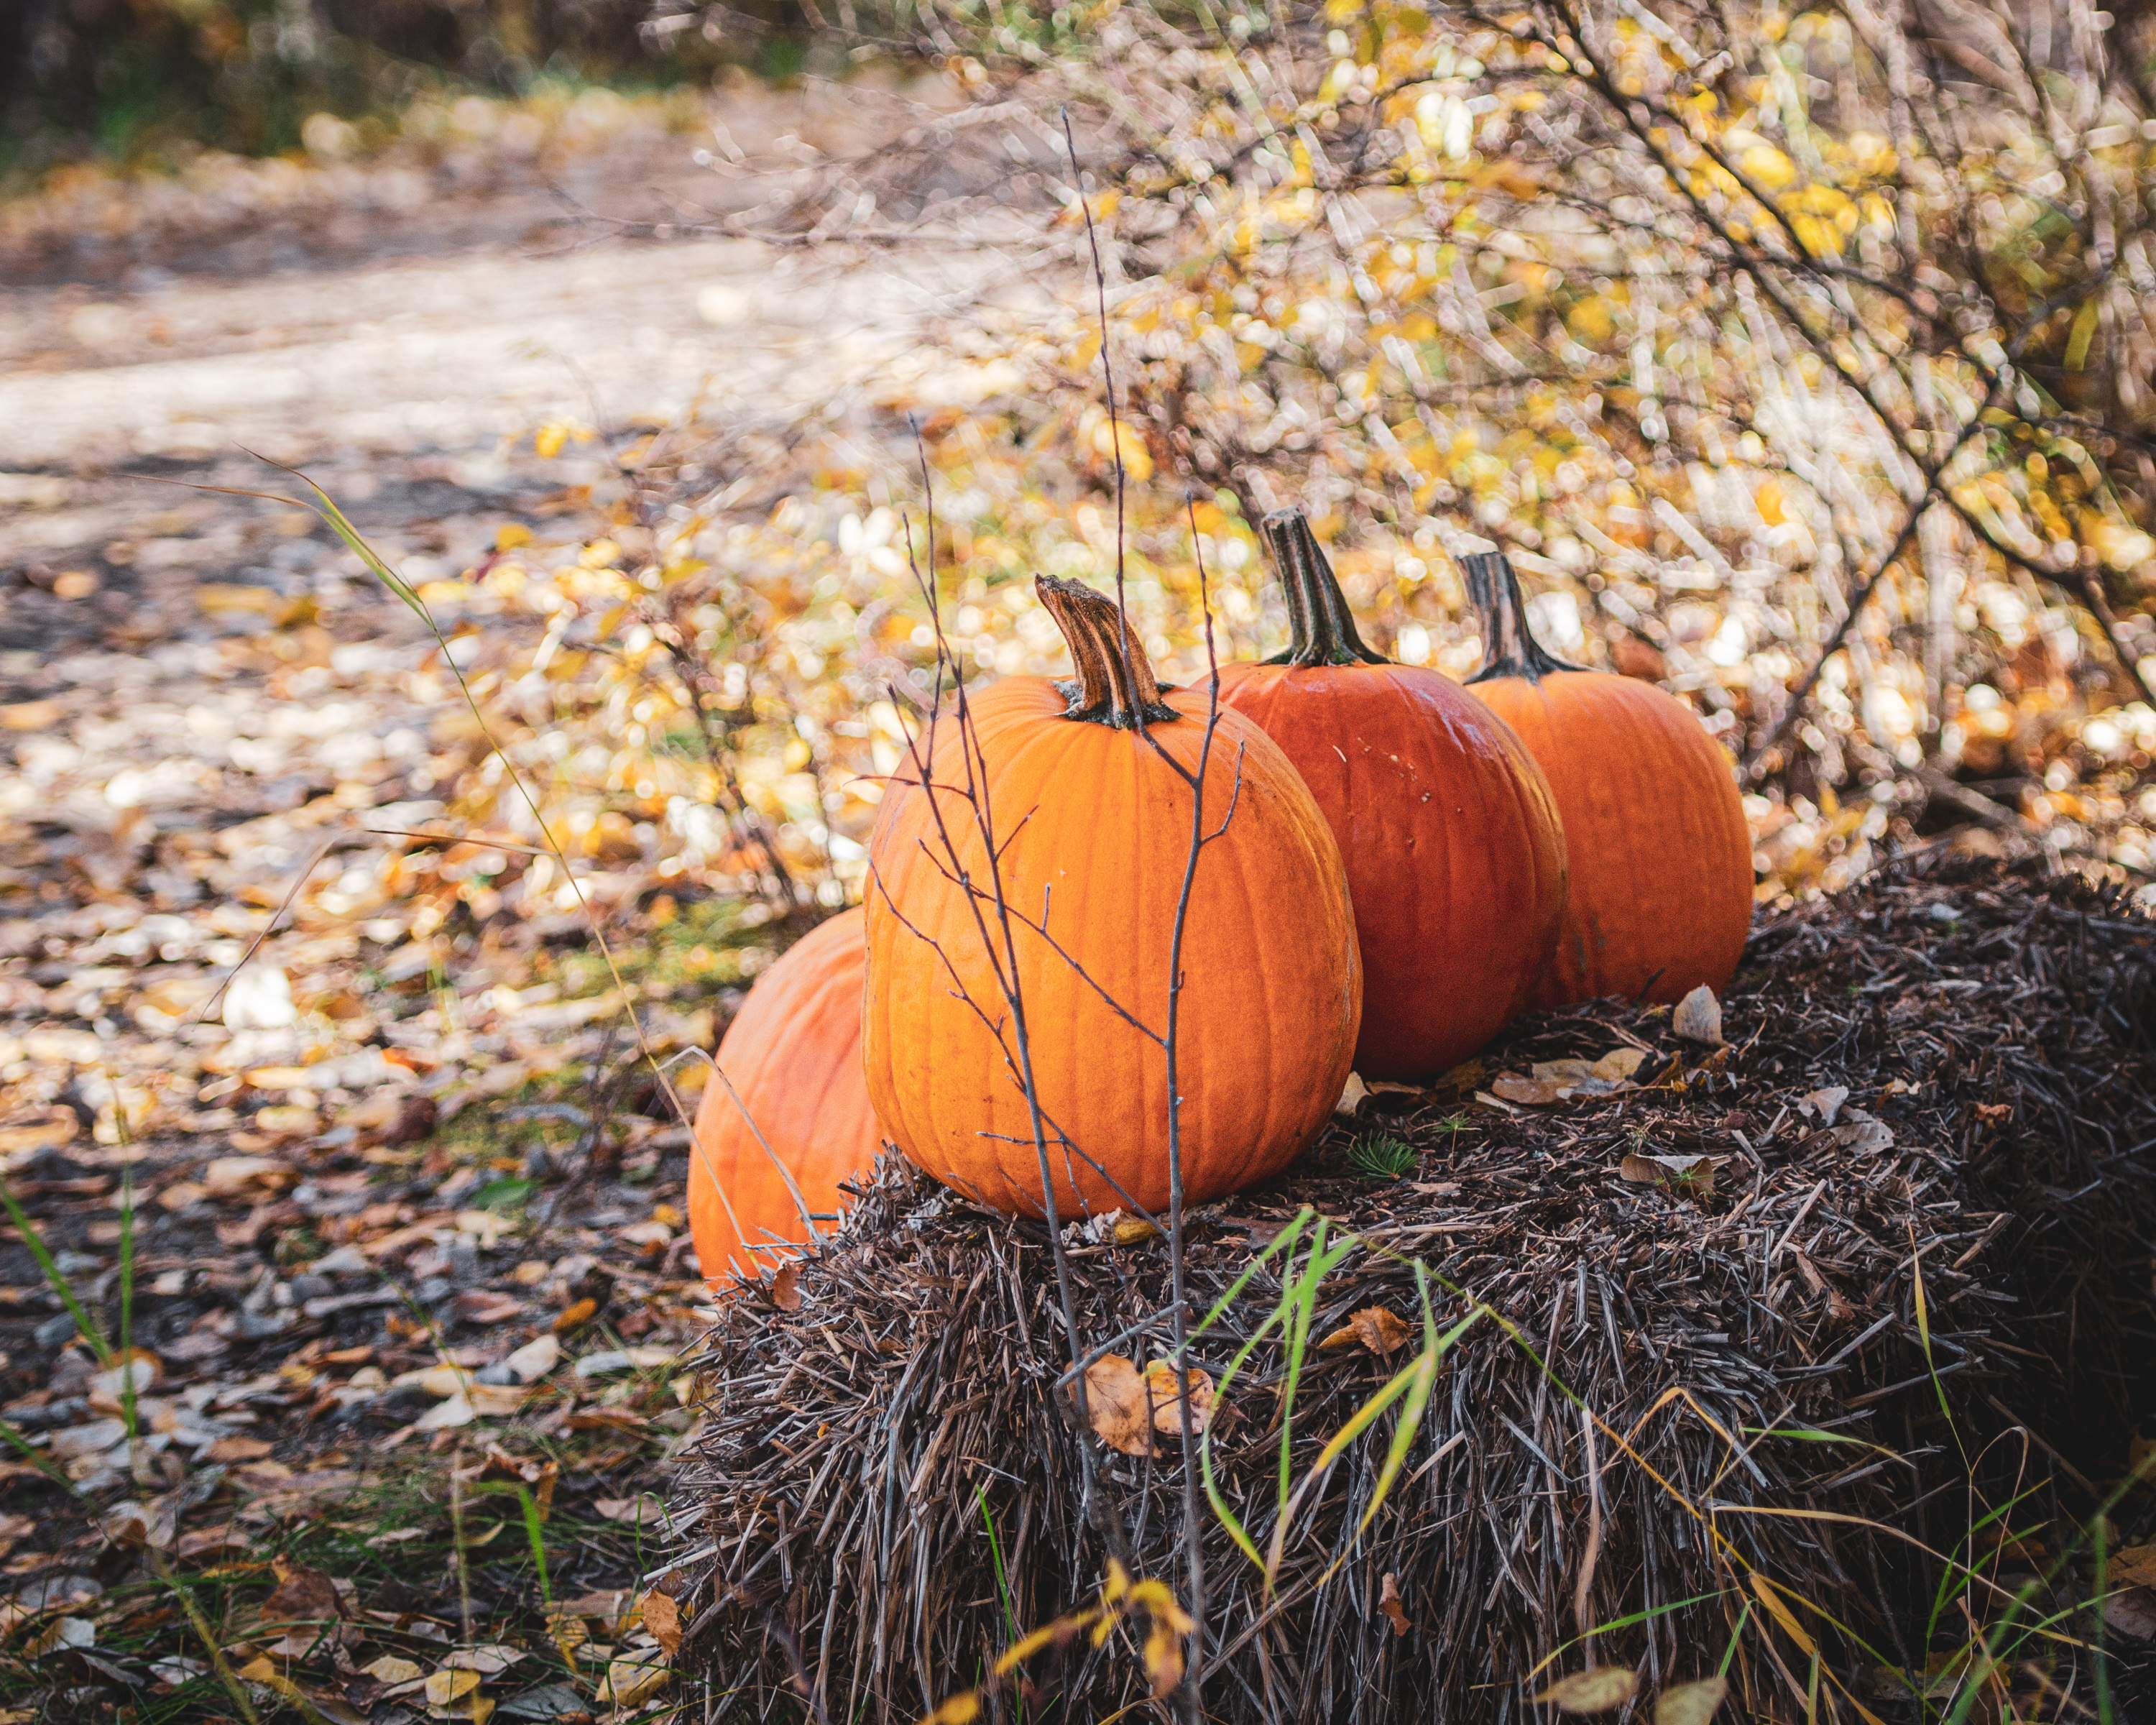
(889, 1481)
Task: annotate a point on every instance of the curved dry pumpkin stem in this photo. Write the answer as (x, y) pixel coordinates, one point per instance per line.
(1321, 630)
(1114, 685)
(1509, 647)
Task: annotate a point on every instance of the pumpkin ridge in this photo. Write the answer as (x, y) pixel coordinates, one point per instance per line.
(1054, 1031)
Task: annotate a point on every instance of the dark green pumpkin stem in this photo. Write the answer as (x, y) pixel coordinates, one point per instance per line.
(1320, 629)
(1509, 647)
(1114, 685)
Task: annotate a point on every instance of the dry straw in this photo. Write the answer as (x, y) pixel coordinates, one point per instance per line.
(1682, 1431)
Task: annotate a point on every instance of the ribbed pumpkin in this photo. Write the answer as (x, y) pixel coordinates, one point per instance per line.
(793, 1052)
(1454, 853)
(1661, 857)
(1091, 824)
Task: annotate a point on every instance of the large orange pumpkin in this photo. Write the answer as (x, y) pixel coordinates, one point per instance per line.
(1661, 857)
(1454, 853)
(1072, 804)
(793, 1052)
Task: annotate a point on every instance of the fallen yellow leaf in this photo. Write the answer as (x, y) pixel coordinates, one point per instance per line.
(1692, 1703)
(1167, 1402)
(630, 1681)
(445, 1687)
(1598, 1689)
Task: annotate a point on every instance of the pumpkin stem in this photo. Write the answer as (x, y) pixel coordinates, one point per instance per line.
(1320, 631)
(1509, 647)
(1114, 685)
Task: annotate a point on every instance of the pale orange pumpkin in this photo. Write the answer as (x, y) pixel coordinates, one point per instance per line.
(1088, 791)
(1661, 855)
(1455, 858)
(793, 1053)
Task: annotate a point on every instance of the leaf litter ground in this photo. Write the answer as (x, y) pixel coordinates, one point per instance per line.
(1711, 1247)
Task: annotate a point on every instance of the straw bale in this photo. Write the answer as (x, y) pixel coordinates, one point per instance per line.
(1996, 1034)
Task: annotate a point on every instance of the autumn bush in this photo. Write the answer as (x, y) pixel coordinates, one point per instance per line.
(1799, 361)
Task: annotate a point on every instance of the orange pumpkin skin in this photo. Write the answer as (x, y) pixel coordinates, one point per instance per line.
(1661, 851)
(1092, 830)
(1455, 857)
(794, 1051)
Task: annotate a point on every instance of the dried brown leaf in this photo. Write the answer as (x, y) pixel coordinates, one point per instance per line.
(237, 1449)
(1388, 1601)
(609, 1609)
(485, 1306)
(456, 1410)
(2133, 1566)
(490, 1660)
(61, 1632)
(2132, 1611)
(1693, 1175)
(230, 1176)
(1535, 1091)
(786, 1287)
(1699, 1017)
(535, 1359)
(301, 1596)
(1863, 1134)
(1379, 1331)
(1117, 1405)
(644, 1510)
(391, 1669)
(662, 1616)
(607, 1420)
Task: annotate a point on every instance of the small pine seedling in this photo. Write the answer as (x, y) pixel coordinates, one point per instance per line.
(1377, 1157)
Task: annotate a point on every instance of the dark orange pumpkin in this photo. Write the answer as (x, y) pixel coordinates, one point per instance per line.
(1088, 791)
(1662, 856)
(1454, 853)
(793, 1052)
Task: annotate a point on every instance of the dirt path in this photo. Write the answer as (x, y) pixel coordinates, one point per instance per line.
(402, 347)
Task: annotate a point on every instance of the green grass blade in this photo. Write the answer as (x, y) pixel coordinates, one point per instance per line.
(1283, 1241)
(996, 1558)
(1736, 1636)
(129, 1414)
(1360, 1420)
(1434, 1348)
(1646, 1614)
(92, 1333)
(1226, 1516)
(12, 1434)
